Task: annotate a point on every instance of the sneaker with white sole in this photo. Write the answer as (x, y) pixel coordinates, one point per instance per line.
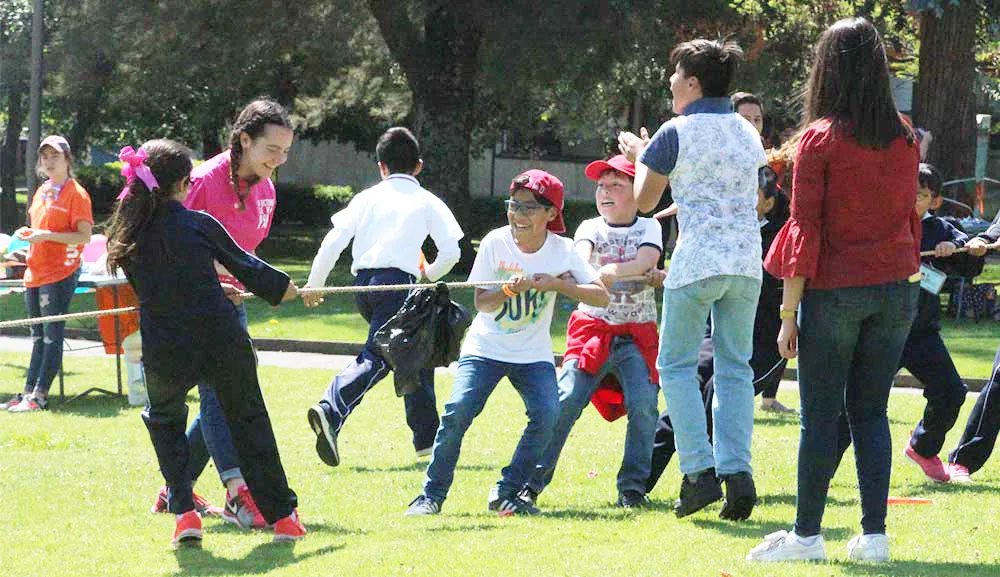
(29, 404)
(241, 510)
(874, 547)
(425, 452)
(12, 401)
(932, 466)
(787, 546)
(423, 505)
(959, 474)
(326, 436)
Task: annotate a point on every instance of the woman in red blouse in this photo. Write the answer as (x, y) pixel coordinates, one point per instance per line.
(849, 257)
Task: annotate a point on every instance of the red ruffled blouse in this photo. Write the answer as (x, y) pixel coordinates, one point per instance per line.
(852, 217)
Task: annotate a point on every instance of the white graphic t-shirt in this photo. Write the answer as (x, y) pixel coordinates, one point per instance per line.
(518, 332)
(631, 301)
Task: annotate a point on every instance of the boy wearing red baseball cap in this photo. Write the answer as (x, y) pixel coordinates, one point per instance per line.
(619, 339)
(510, 338)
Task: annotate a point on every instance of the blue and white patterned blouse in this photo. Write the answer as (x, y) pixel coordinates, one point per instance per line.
(711, 156)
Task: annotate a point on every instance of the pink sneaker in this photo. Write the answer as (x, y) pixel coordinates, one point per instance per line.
(932, 467)
(959, 473)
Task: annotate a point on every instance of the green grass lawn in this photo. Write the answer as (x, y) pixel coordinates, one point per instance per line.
(78, 482)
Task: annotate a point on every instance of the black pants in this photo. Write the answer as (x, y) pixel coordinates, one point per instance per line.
(927, 359)
(663, 440)
(232, 370)
(348, 388)
(980, 434)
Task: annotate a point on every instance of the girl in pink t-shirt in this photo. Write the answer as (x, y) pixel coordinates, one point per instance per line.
(236, 188)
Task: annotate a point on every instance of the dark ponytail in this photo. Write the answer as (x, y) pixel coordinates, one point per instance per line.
(143, 209)
(252, 120)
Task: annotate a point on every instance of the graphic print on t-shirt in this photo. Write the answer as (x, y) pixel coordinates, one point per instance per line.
(518, 311)
(631, 301)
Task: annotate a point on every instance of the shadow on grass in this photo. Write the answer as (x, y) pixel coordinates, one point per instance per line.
(929, 488)
(223, 528)
(263, 558)
(93, 405)
(418, 466)
(789, 499)
(918, 569)
(752, 528)
(460, 528)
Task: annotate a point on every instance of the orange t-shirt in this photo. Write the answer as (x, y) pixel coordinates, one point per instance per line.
(50, 262)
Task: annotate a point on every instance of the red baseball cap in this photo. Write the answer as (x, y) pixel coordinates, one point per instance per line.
(618, 163)
(546, 186)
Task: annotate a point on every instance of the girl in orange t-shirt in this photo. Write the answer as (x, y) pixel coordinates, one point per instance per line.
(61, 224)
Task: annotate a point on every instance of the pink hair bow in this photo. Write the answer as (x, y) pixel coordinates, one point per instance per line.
(133, 166)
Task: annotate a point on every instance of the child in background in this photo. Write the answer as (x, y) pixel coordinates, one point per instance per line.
(619, 339)
(510, 338)
(191, 332)
(925, 354)
(61, 224)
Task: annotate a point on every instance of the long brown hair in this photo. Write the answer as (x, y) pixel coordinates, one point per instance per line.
(849, 84)
(143, 209)
(252, 120)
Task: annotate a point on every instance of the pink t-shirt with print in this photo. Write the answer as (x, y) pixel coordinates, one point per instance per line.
(212, 191)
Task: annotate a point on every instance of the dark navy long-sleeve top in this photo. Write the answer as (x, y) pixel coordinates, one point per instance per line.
(934, 231)
(182, 307)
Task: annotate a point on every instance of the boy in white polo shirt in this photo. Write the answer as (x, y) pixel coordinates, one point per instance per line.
(389, 223)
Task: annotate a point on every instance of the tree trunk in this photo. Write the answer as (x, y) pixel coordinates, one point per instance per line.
(10, 218)
(945, 99)
(210, 145)
(87, 107)
(441, 66)
(444, 98)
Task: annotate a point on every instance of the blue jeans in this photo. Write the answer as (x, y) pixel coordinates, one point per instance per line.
(47, 338)
(850, 342)
(732, 301)
(575, 390)
(209, 434)
(475, 380)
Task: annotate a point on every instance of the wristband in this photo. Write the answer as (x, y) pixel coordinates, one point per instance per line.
(784, 313)
(508, 291)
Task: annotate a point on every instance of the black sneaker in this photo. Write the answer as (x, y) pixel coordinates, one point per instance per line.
(423, 505)
(326, 437)
(741, 496)
(699, 494)
(510, 506)
(527, 494)
(633, 499)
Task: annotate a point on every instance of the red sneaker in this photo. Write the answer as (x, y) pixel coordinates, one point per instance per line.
(289, 528)
(201, 504)
(932, 467)
(187, 533)
(242, 510)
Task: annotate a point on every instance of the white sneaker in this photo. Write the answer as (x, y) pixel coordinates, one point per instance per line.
(786, 546)
(874, 547)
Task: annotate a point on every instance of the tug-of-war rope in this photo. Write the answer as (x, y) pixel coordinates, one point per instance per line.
(338, 290)
(301, 291)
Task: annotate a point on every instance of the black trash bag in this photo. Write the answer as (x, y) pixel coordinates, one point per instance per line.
(426, 332)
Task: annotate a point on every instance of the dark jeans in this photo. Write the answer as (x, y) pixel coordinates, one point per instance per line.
(850, 343)
(47, 338)
(349, 387)
(232, 370)
(927, 359)
(208, 434)
(663, 440)
(981, 430)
